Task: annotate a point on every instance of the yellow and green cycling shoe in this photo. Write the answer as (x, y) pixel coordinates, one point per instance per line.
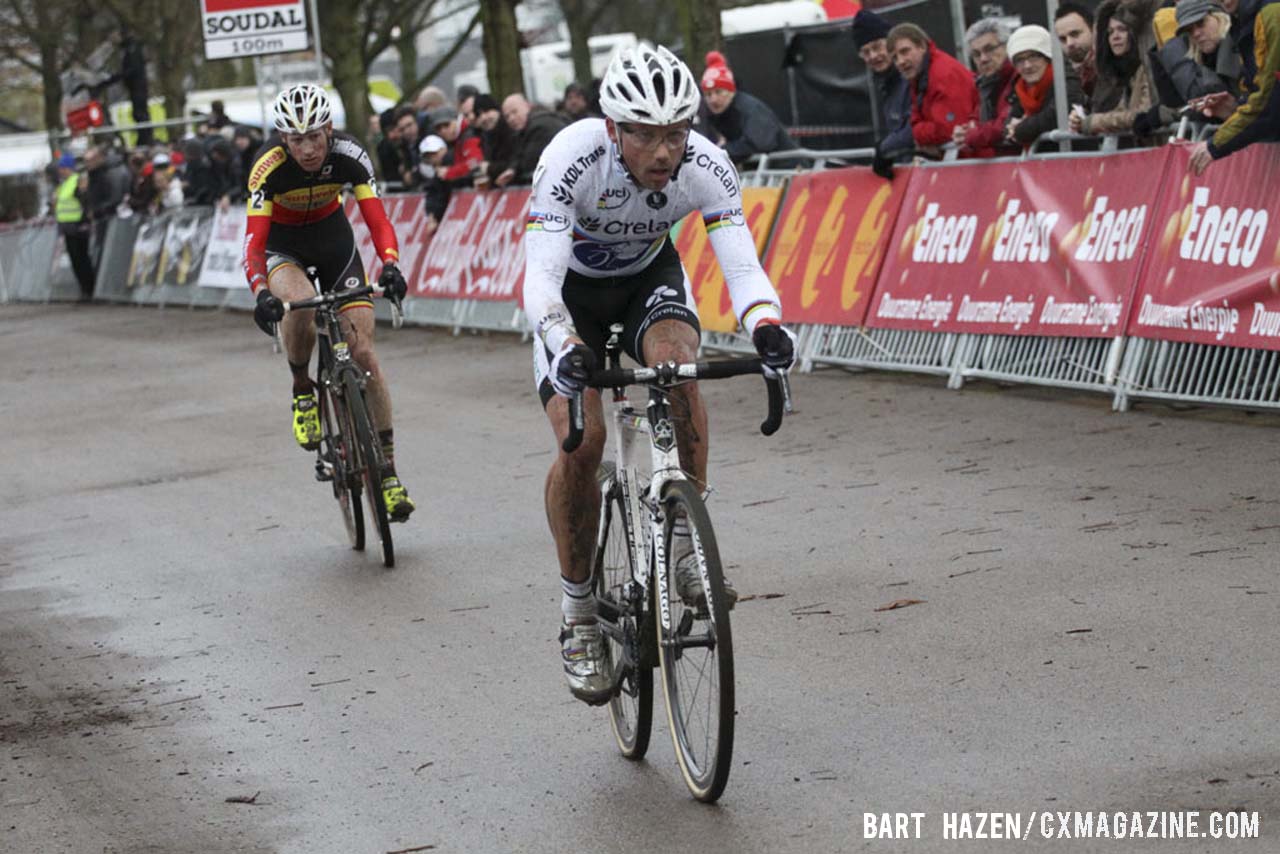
(306, 421)
(396, 497)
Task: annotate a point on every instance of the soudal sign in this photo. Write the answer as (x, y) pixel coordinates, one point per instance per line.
(1048, 247)
(1214, 271)
(253, 27)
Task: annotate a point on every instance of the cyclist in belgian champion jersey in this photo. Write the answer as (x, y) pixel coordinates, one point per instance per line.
(605, 196)
(295, 222)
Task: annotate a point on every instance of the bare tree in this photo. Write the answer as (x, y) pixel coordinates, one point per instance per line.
(581, 17)
(46, 37)
(700, 25)
(501, 42)
(170, 34)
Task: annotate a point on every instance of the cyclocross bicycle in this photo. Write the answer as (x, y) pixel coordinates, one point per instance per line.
(643, 619)
(350, 454)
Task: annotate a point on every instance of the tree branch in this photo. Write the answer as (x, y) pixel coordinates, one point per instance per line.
(444, 60)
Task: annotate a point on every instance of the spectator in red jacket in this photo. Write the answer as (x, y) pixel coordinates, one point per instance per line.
(943, 92)
(464, 144)
(985, 137)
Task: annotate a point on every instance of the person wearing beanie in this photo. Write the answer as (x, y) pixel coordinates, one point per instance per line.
(1032, 111)
(738, 122)
(1257, 118)
(943, 92)
(1124, 38)
(1198, 60)
(892, 98)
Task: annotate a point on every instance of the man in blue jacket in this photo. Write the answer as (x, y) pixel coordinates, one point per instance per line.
(890, 91)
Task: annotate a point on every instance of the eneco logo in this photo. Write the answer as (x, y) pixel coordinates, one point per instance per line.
(1222, 235)
(943, 239)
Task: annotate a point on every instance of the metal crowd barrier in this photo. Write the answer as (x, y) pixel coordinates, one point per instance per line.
(34, 268)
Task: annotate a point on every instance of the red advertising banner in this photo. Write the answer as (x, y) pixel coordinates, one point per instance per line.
(715, 309)
(1213, 275)
(409, 220)
(830, 240)
(1039, 247)
(478, 250)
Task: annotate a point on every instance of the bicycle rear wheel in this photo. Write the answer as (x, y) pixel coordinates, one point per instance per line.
(337, 448)
(370, 465)
(622, 605)
(695, 651)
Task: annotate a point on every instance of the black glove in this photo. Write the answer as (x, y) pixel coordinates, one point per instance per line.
(1145, 124)
(571, 369)
(268, 311)
(392, 282)
(775, 346)
(882, 166)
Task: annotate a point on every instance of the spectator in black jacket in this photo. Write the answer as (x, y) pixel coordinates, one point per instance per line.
(893, 93)
(497, 139)
(741, 124)
(389, 147)
(534, 127)
(109, 184)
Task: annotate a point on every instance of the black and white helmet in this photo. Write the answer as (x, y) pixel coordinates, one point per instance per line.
(649, 85)
(301, 109)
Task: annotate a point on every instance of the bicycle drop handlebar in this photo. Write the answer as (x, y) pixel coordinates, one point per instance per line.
(349, 295)
(669, 374)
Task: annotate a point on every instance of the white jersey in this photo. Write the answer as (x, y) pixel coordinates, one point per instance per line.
(588, 215)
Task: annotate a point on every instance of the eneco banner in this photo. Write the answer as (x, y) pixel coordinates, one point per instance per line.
(830, 240)
(478, 251)
(1047, 247)
(1214, 270)
(715, 309)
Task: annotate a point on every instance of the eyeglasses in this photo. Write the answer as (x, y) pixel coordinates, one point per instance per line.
(649, 139)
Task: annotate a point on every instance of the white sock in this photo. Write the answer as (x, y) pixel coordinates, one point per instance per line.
(577, 603)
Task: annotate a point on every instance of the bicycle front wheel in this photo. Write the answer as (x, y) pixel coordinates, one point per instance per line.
(338, 450)
(370, 465)
(623, 607)
(695, 650)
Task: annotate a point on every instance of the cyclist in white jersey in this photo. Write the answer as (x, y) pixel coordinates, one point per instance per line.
(606, 192)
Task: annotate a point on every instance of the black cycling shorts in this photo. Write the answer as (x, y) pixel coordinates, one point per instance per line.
(658, 292)
(329, 246)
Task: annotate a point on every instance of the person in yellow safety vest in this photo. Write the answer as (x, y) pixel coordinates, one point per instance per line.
(73, 223)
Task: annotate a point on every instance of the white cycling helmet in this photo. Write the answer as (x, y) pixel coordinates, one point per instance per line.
(649, 85)
(301, 109)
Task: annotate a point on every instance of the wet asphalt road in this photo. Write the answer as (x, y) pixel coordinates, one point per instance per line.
(182, 623)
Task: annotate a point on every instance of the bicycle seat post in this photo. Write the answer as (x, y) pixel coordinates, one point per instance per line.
(613, 347)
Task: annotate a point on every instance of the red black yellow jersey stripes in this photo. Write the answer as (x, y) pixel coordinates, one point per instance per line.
(281, 192)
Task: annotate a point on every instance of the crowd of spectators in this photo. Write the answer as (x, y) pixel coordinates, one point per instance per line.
(1132, 68)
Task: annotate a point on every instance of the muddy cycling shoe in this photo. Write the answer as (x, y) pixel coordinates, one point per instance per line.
(582, 651)
(396, 497)
(689, 581)
(306, 421)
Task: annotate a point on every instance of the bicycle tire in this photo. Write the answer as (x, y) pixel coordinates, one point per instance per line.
(623, 607)
(370, 455)
(338, 444)
(697, 669)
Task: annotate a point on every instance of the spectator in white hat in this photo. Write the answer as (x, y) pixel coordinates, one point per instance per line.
(1031, 104)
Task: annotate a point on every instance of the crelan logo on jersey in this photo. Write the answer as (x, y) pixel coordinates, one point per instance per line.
(659, 295)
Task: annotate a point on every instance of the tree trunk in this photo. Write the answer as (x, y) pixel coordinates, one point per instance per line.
(339, 22)
(579, 18)
(51, 80)
(501, 41)
(700, 24)
(407, 49)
